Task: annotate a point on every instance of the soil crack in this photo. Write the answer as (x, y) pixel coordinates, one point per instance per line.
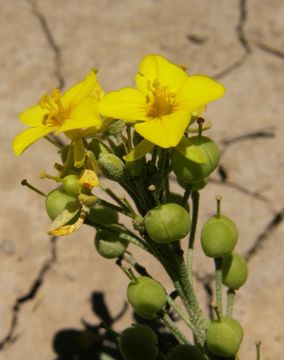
(31, 293)
(51, 42)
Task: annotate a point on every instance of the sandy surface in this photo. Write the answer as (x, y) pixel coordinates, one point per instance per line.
(47, 286)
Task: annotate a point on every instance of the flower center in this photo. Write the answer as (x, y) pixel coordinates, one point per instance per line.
(53, 104)
(161, 101)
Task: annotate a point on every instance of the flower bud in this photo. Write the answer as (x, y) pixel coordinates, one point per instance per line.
(97, 148)
(167, 223)
(219, 236)
(184, 352)
(109, 245)
(57, 201)
(138, 342)
(190, 172)
(71, 185)
(111, 166)
(146, 296)
(234, 271)
(102, 214)
(224, 337)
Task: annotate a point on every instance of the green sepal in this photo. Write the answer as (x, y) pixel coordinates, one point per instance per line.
(67, 215)
(79, 153)
(139, 150)
(190, 151)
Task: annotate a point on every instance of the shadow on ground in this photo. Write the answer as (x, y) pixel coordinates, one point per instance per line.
(97, 341)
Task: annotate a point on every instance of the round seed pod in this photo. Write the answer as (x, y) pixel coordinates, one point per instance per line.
(184, 352)
(57, 201)
(71, 185)
(103, 215)
(219, 236)
(147, 296)
(112, 166)
(109, 245)
(224, 337)
(195, 187)
(138, 342)
(167, 223)
(189, 172)
(234, 271)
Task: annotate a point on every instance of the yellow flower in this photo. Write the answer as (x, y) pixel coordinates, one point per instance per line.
(74, 110)
(162, 104)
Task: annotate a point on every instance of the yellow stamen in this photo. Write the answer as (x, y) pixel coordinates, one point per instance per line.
(161, 102)
(53, 104)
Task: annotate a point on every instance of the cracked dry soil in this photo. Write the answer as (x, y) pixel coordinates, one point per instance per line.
(47, 283)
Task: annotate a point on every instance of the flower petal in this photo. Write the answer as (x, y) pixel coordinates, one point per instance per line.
(157, 68)
(29, 136)
(126, 104)
(165, 131)
(33, 116)
(196, 91)
(83, 89)
(84, 115)
(139, 151)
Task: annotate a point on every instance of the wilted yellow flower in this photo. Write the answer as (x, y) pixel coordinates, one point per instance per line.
(76, 109)
(163, 102)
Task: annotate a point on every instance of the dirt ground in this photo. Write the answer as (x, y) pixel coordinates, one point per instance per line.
(50, 285)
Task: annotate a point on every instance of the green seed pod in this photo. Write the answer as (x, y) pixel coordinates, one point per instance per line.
(103, 215)
(146, 296)
(190, 172)
(219, 236)
(138, 342)
(234, 271)
(71, 185)
(111, 166)
(224, 337)
(109, 245)
(57, 201)
(167, 223)
(184, 352)
(195, 187)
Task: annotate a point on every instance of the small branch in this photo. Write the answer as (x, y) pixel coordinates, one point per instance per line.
(230, 302)
(173, 329)
(218, 284)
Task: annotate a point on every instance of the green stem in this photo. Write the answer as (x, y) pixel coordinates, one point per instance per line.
(54, 141)
(139, 201)
(194, 219)
(180, 312)
(130, 209)
(230, 302)
(130, 259)
(68, 162)
(174, 329)
(109, 205)
(25, 182)
(186, 195)
(113, 196)
(128, 236)
(258, 350)
(218, 284)
(177, 271)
